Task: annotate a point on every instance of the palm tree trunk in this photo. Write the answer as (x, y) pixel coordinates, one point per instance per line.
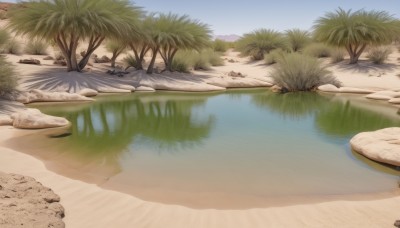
(150, 68)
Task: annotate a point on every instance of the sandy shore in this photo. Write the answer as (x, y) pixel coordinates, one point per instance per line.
(87, 205)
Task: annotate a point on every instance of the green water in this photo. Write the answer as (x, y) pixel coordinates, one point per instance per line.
(243, 148)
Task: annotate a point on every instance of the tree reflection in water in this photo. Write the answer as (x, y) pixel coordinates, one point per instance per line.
(109, 126)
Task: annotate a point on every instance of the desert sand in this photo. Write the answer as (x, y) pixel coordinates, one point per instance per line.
(87, 205)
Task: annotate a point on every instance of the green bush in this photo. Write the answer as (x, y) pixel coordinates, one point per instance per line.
(273, 56)
(4, 37)
(202, 60)
(379, 55)
(337, 55)
(8, 77)
(213, 57)
(36, 47)
(260, 42)
(180, 65)
(298, 39)
(298, 72)
(220, 45)
(318, 50)
(12, 47)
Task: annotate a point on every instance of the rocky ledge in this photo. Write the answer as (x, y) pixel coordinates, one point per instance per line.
(24, 202)
(382, 145)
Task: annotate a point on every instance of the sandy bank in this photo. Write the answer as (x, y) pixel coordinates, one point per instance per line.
(87, 205)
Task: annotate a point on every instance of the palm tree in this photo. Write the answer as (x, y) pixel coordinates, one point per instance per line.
(261, 42)
(116, 47)
(297, 39)
(356, 30)
(69, 22)
(171, 33)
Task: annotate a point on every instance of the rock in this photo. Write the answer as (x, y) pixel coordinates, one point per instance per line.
(397, 223)
(328, 88)
(34, 119)
(276, 88)
(119, 73)
(231, 61)
(127, 87)
(382, 145)
(88, 92)
(29, 61)
(103, 59)
(383, 95)
(5, 120)
(112, 90)
(42, 96)
(27, 203)
(60, 62)
(48, 58)
(354, 90)
(236, 74)
(144, 89)
(394, 101)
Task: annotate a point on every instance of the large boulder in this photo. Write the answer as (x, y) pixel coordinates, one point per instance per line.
(382, 145)
(333, 89)
(27, 203)
(34, 119)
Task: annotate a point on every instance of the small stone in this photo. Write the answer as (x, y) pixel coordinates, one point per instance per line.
(397, 223)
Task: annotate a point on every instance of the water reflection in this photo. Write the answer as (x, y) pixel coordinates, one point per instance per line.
(292, 105)
(343, 119)
(110, 125)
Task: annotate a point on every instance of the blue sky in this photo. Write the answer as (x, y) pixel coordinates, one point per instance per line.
(241, 16)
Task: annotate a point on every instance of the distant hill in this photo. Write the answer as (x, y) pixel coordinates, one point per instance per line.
(229, 38)
(5, 5)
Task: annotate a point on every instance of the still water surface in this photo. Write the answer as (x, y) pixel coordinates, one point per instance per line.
(239, 149)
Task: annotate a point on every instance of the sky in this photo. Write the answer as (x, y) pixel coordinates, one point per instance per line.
(243, 16)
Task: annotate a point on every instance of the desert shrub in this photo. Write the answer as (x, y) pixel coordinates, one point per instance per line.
(298, 39)
(379, 55)
(36, 47)
(3, 15)
(129, 61)
(318, 50)
(202, 60)
(4, 37)
(8, 77)
(337, 55)
(220, 45)
(214, 58)
(260, 42)
(273, 56)
(180, 65)
(12, 47)
(298, 72)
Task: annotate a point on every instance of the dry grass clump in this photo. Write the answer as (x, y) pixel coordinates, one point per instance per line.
(36, 47)
(220, 45)
(337, 55)
(318, 50)
(8, 77)
(379, 55)
(273, 56)
(130, 61)
(298, 72)
(202, 60)
(12, 47)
